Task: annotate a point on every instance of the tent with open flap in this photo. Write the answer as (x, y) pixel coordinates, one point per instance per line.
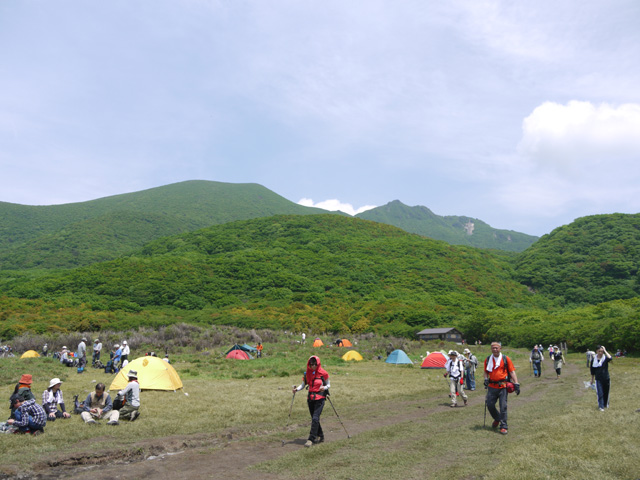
(153, 374)
(318, 343)
(352, 355)
(399, 357)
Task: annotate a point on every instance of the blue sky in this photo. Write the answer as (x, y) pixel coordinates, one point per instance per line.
(523, 114)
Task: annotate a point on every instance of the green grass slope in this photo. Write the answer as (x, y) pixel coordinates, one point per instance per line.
(333, 272)
(76, 234)
(592, 260)
(455, 230)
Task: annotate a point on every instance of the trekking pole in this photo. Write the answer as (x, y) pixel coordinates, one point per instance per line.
(530, 372)
(290, 409)
(336, 412)
(484, 423)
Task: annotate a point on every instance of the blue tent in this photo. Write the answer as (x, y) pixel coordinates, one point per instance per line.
(398, 357)
(249, 348)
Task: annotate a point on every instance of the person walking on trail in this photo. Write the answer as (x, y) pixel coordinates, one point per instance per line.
(590, 354)
(131, 394)
(535, 359)
(317, 379)
(304, 338)
(600, 375)
(98, 405)
(558, 360)
(498, 368)
(470, 365)
(51, 398)
(454, 370)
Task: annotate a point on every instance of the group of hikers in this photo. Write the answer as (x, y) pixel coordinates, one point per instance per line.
(500, 379)
(29, 416)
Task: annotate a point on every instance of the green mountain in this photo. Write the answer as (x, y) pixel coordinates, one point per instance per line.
(319, 271)
(594, 259)
(77, 234)
(451, 229)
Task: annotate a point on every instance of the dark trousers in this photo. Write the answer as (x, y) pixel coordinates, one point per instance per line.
(494, 395)
(537, 367)
(315, 409)
(602, 390)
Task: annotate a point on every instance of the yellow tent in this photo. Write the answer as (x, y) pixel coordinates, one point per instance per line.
(153, 374)
(352, 355)
(30, 354)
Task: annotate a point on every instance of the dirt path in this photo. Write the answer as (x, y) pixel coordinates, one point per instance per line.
(230, 456)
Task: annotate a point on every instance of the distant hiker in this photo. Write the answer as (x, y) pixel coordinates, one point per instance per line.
(98, 405)
(125, 352)
(590, 354)
(470, 365)
(97, 349)
(551, 352)
(259, 350)
(304, 338)
(82, 354)
(166, 358)
(498, 368)
(131, 394)
(536, 358)
(558, 360)
(339, 342)
(454, 370)
(29, 417)
(23, 390)
(51, 398)
(600, 375)
(64, 358)
(318, 381)
(45, 350)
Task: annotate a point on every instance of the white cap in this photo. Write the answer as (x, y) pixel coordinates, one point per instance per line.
(124, 342)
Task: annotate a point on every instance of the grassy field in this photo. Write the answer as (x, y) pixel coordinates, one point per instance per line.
(397, 416)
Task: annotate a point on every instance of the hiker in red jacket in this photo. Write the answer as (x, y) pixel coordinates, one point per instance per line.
(317, 379)
(497, 370)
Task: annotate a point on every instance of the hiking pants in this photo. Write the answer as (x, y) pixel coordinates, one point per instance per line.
(602, 389)
(126, 411)
(455, 387)
(537, 367)
(470, 375)
(32, 426)
(315, 409)
(494, 395)
(110, 416)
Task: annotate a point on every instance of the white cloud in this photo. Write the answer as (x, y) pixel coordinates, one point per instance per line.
(580, 137)
(334, 205)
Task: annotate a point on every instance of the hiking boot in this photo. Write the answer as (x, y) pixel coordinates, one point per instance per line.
(318, 440)
(37, 432)
(503, 431)
(112, 423)
(308, 443)
(92, 422)
(495, 424)
(453, 405)
(135, 415)
(465, 403)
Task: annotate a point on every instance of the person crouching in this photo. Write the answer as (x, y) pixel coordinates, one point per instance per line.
(98, 405)
(318, 381)
(131, 394)
(454, 371)
(29, 416)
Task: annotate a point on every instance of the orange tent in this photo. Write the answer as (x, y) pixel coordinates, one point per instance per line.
(318, 343)
(346, 343)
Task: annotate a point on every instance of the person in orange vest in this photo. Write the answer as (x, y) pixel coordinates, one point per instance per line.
(259, 349)
(498, 368)
(317, 379)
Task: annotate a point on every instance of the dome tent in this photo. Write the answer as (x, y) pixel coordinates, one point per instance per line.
(318, 343)
(352, 355)
(434, 360)
(398, 357)
(153, 374)
(346, 343)
(239, 354)
(30, 354)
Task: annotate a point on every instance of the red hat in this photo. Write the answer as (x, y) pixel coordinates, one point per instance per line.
(26, 379)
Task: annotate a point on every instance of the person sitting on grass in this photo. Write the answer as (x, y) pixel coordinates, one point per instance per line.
(131, 394)
(23, 389)
(98, 405)
(29, 416)
(51, 398)
(64, 358)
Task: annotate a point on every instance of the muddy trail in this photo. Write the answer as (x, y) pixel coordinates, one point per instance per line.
(231, 455)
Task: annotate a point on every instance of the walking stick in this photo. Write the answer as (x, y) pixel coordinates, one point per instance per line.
(530, 372)
(336, 412)
(290, 409)
(484, 423)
